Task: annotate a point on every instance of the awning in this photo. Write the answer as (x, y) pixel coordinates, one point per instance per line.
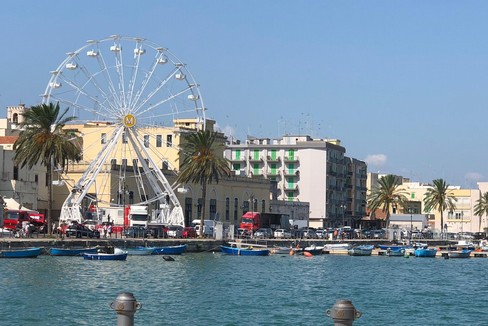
(11, 203)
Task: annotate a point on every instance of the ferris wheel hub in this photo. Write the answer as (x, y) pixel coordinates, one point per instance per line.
(129, 120)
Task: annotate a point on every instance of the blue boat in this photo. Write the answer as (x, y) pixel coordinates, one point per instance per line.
(425, 252)
(463, 253)
(170, 250)
(392, 247)
(361, 250)
(140, 251)
(21, 253)
(244, 251)
(118, 254)
(71, 251)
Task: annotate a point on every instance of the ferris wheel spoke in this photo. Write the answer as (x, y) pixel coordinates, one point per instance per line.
(173, 96)
(146, 80)
(160, 86)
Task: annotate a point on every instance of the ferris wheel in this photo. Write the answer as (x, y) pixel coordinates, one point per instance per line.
(125, 91)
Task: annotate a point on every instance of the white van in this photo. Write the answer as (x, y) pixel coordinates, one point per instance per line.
(208, 227)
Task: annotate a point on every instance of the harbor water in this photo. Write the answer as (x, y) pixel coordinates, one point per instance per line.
(212, 289)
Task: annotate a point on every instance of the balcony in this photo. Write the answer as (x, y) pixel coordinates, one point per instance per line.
(292, 187)
(255, 158)
(291, 173)
(291, 159)
(234, 159)
(271, 159)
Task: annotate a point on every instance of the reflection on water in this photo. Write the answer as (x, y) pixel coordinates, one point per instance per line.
(211, 289)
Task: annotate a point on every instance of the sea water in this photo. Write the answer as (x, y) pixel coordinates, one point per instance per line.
(213, 289)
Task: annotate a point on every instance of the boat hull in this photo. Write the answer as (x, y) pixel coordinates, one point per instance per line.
(395, 252)
(72, 251)
(314, 250)
(118, 254)
(170, 250)
(140, 251)
(360, 251)
(459, 254)
(244, 251)
(425, 252)
(21, 253)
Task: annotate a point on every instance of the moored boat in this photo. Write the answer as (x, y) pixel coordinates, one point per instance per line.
(395, 252)
(463, 253)
(392, 247)
(71, 251)
(276, 250)
(244, 251)
(21, 253)
(314, 250)
(116, 254)
(170, 250)
(140, 251)
(425, 252)
(361, 250)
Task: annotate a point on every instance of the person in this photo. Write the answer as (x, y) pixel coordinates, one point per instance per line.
(105, 227)
(109, 230)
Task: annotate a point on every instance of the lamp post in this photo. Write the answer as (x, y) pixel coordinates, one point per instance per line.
(410, 210)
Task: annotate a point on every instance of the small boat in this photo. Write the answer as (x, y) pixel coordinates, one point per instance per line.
(425, 252)
(463, 253)
(395, 252)
(21, 253)
(314, 250)
(116, 254)
(337, 246)
(392, 247)
(140, 251)
(361, 250)
(71, 251)
(280, 250)
(244, 251)
(170, 250)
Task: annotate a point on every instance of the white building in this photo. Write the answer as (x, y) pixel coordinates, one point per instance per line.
(307, 170)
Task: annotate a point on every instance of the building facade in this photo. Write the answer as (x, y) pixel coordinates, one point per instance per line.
(310, 170)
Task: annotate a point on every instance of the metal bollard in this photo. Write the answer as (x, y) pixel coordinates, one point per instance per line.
(126, 306)
(343, 313)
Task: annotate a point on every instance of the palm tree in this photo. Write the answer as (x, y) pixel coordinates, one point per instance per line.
(203, 163)
(385, 194)
(481, 207)
(439, 197)
(43, 140)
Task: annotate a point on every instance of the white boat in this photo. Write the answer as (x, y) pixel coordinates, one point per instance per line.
(337, 247)
(280, 250)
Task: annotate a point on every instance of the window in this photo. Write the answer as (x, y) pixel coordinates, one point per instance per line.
(236, 206)
(213, 208)
(263, 206)
(199, 207)
(188, 210)
(169, 140)
(159, 140)
(16, 173)
(165, 165)
(146, 141)
(113, 164)
(103, 138)
(36, 178)
(124, 138)
(15, 118)
(227, 208)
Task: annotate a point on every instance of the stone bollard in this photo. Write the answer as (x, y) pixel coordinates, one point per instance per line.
(343, 313)
(126, 306)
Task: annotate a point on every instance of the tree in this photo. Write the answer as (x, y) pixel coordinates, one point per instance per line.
(43, 140)
(481, 207)
(386, 194)
(439, 197)
(203, 163)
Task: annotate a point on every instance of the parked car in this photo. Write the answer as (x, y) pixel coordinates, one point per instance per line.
(189, 232)
(80, 231)
(309, 234)
(321, 234)
(282, 234)
(263, 233)
(158, 231)
(378, 234)
(137, 232)
(175, 231)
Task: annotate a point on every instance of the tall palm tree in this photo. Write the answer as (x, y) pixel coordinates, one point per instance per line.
(43, 140)
(203, 163)
(386, 194)
(481, 207)
(439, 197)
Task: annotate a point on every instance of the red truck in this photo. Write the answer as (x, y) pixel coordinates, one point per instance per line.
(255, 220)
(13, 218)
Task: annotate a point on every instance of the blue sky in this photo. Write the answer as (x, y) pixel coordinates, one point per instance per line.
(403, 84)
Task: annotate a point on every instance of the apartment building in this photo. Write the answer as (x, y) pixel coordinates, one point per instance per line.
(304, 169)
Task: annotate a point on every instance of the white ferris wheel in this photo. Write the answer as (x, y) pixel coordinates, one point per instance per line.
(131, 87)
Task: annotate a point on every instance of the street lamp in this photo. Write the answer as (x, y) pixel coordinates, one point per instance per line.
(410, 210)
